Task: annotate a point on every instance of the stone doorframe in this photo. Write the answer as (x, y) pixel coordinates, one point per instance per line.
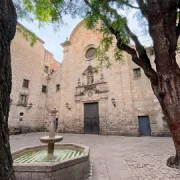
(92, 91)
(103, 110)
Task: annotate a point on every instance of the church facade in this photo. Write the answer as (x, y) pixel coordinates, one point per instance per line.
(114, 101)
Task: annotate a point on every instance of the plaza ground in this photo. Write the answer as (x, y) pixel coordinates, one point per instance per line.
(117, 157)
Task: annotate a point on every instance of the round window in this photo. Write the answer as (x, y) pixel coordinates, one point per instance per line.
(21, 114)
(90, 53)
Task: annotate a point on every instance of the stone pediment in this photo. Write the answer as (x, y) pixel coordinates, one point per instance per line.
(94, 88)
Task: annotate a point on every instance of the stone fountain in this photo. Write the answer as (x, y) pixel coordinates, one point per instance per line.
(52, 162)
(52, 138)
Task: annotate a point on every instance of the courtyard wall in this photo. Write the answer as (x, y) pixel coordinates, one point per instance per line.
(29, 63)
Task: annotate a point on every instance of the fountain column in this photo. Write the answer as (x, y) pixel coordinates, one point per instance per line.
(52, 138)
(52, 132)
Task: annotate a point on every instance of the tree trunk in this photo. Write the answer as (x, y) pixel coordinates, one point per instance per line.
(168, 93)
(162, 20)
(7, 31)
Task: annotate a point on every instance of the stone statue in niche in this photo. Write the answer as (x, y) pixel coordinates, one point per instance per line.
(91, 85)
(90, 78)
(89, 74)
(102, 77)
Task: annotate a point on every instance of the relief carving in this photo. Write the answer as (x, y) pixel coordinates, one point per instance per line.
(90, 93)
(91, 86)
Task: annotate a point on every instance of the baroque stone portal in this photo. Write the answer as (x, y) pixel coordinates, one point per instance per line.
(91, 87)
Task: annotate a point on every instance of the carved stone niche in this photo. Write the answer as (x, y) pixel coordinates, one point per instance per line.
(91, 87)
(89, 74)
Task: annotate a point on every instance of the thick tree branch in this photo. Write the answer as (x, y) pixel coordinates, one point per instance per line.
(162, 28)
(178, 20)
(125, 3)
(143, 61)
(178, 26)
(178, 4)
(143, 7)
(139, 47)
(169, 14)
(148, 70)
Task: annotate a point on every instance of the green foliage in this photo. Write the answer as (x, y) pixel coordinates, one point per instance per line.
(100, 16)
(47, 12)
(118, 55)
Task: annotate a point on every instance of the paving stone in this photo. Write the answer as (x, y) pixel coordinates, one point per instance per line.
(117, 157)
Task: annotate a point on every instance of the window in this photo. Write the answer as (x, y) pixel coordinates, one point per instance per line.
(25, 83)
(23, 100)
(46, 69)
(90, 53)
(44, 89)
(57, 87)
(137, 73)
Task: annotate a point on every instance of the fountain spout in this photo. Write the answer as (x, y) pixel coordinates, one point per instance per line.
(52, 129)
(52, 138)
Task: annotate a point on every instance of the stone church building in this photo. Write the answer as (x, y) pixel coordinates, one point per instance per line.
(115, 101)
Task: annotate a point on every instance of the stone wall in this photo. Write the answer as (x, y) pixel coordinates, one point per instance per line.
(28, 63)
(53, 95)
(134, 96)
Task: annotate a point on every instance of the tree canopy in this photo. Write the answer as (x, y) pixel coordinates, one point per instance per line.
(104, 16)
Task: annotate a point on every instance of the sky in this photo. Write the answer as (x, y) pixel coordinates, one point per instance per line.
(54, 39)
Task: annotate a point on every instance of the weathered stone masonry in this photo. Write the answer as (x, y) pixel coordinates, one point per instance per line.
(123, 92)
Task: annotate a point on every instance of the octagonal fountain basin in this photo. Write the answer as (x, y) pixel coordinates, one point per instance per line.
(70, 162)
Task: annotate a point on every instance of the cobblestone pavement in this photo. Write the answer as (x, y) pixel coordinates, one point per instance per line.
(118, 158)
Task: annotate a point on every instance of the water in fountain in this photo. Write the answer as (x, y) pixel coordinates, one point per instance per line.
(48, 154)
(40, 155)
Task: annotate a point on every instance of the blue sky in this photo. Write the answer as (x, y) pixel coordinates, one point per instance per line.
(54, 39)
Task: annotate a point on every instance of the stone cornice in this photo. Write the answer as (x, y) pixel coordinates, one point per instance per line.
(65, 43)
(75, 30)
(20, 25)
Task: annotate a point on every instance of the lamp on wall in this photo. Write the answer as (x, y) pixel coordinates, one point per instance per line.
(67, 106)
(113, 102)
(30, 105)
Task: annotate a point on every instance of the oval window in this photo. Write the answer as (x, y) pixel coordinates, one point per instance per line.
(90, 53)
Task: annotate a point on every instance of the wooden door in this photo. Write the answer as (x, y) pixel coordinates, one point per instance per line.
(91, 118)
